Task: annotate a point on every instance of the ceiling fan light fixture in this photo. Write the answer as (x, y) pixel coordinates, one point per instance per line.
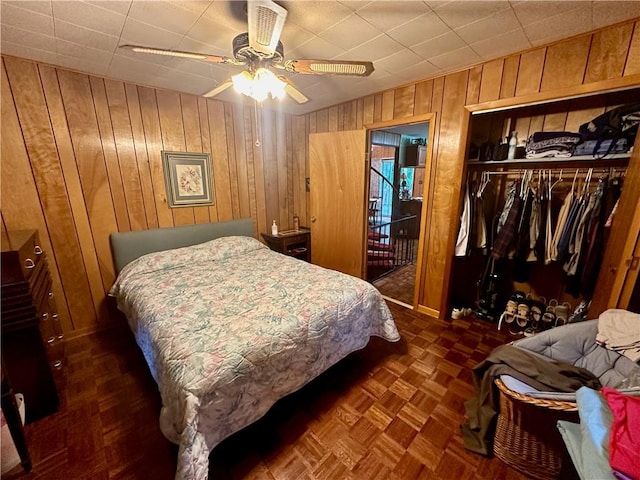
(266, 20)
(259, 86)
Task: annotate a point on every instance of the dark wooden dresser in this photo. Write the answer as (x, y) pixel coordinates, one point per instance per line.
(32, 340)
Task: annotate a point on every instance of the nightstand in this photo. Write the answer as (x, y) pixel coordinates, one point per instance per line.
(295, 243)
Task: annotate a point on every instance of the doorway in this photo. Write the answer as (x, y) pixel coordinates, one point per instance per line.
(396, 186)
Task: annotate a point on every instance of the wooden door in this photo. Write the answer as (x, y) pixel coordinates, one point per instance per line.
(337, 167)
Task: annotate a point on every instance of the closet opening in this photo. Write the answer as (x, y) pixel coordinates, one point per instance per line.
(395, 199)
(556, 194)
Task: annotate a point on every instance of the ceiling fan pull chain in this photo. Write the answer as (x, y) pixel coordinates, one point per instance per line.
(257, 120)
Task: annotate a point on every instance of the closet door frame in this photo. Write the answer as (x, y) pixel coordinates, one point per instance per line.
(614, 280)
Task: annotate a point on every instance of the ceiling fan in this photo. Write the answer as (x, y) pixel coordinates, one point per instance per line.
(260, 50)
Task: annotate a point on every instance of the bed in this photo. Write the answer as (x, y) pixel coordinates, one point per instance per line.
(228, 326)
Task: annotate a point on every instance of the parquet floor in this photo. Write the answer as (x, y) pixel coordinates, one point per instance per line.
(399, 284)
(388, 412)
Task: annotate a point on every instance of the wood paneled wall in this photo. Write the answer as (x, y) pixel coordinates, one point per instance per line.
(606, 58)
(81, 158)
(81, 154)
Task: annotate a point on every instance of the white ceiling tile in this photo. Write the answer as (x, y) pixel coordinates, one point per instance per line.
(419, 29)
(231, 14)
(316, 48)
(436, 4)
(533, 11)
(121, 64)
(457, 14)
(418, 71)
(567, 24)
(166, 15)
(398, 61)
(204, 69)
(462, 57)
(26, 19)
(196, 6)
(604, 15)
(387, 15)
(294, 35)
(84, 36)
(379, 47)
(77, 50)
(138, 33)
(118, 6)
(207, 31)
(444, 43)
(28, 39)
(89, 16)
(87, 32)
(82, 65)
(190, 45)
(20, 50)
(40, 6)
(315, 16)
(355, 4)
(502, 21)
(502, 44)
(350, 32)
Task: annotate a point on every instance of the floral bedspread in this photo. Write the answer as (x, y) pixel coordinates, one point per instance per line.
(228, 327)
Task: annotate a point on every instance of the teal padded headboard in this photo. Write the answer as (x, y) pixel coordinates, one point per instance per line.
(127, 246)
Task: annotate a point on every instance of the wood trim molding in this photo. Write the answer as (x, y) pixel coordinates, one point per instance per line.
(427, 117)
(429, 311)
(568, 93)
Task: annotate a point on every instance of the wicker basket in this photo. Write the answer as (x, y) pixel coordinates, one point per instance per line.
(526, 436)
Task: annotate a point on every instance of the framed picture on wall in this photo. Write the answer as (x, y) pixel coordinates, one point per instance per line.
(188, 179)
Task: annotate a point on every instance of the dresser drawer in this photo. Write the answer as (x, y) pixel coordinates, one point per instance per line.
(32, 342)
(19, 264)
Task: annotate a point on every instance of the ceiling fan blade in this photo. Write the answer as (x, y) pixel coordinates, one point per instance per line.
(266, 19)
(328, 67)
(293, 91)
(219, 89)
(176, 53)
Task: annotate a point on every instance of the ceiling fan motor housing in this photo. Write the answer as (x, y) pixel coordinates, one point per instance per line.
(243, 52)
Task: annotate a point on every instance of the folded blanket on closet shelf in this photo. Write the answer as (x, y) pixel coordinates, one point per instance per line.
(551, 144)
(619, 330)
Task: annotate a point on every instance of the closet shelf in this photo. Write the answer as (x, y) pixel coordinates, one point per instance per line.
(611, 160)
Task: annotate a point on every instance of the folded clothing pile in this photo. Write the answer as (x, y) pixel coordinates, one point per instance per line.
(619, 330)
(551, 144)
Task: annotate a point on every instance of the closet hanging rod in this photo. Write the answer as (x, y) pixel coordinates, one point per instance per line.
(555, 171)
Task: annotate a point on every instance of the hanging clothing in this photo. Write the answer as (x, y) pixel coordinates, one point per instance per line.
(567, 230)
(612, 215)
(505, 237)
(535, 225)
(571, 266)
(511, 194)
(481, 223)
(562, 220)
(462, 243)
(595, 250)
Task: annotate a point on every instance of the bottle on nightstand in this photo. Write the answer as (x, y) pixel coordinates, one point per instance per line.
(274, 228)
